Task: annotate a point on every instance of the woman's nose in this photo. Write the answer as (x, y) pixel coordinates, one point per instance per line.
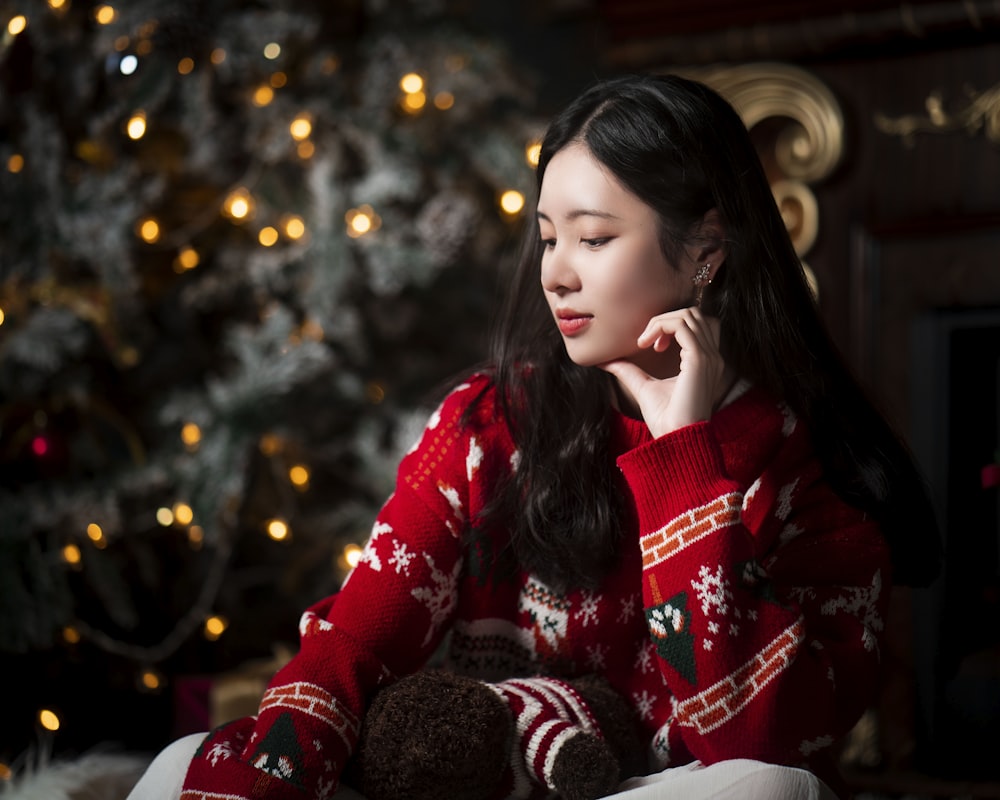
(558, 275)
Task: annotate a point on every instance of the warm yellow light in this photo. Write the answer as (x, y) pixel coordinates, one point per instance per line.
(444, 100)
(136, 126)
(532, 153)
(2, 316)
(185, 66)
(362, 220)
(272, 50)
(149, 230)
(165, 516)
(94, 532)
(359, 224)
(48, 719)
(105, 15)
(305, 150)
(262, 96)
(17, 24)
(55, 5)
(512, 201)
(183, 513)
(196, 535)
(191, 434)
(71, 554)
(15, 163)
(70, 635)
(301, 127)
(217, 56)
(239, 205)
(215, 626)
(270, 444)
(414, 101)
(187, 258)
(375, 392)
(299, 475)
(293, 226)
(278, 79)
(150, 680)
(352, 555)
(268, 236)
(278, 529)
(411, 83)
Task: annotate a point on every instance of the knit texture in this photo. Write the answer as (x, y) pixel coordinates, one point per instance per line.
(742, 619)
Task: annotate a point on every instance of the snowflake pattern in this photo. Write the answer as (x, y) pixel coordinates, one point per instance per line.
(644, 658)
(401, 557)
(644, 704)
(629, 609)
(712, 591)
(596, 657)
(587, 612)
(861, 602)
(439, 598)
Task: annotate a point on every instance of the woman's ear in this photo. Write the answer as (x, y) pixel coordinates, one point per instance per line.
(711, 245)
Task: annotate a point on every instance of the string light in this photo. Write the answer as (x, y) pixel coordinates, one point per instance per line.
(191, 436)
(185, 66)
(239, 205)
(278, 529)
(293, 226)
(149, 680)
(305, 150)
(57, 5)
(214, 627)
(196, 537)
(362, 220)
(301, 127)
(136, 126)
(375, 392)
(128, 65)
(411, 83)
(532, 153)
(71, 555)
(164, 516)
(49, 719)
(17, 24)
(217, 56)
(268, 236)
(105, 15)
(270, 444)
(511, 201)
(352, 556)
(413, 99)
(299, 476)
(70, 635)
(186, 259)
(272, 50)
(2, 316)
(262, 96)
(96, 535)
(15, 163)
(279, 79)
(183, 513)
(444, 100)
(148, 229)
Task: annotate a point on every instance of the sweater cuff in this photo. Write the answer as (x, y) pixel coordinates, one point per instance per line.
(675, 472)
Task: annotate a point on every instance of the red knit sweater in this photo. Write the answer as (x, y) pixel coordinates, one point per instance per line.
(743, 619)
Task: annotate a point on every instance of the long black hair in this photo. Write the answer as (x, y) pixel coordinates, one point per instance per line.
(682, 149)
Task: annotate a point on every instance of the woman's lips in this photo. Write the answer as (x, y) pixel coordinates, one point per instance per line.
(571, 323)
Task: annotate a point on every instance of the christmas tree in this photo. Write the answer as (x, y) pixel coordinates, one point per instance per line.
(243, 246)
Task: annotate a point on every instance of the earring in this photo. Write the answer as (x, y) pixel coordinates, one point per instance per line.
(700, 280)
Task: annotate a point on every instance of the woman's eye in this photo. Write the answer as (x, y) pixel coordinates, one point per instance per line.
(596, 242)
(548, 244)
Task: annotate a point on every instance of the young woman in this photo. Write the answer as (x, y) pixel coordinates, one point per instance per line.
(665, 476)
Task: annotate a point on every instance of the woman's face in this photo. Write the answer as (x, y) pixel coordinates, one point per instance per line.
(603, 272)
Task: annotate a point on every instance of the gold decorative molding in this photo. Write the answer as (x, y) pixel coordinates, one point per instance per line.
(806, 148)
(982, 113)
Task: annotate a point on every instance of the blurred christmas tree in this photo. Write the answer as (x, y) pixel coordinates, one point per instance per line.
(242, 242)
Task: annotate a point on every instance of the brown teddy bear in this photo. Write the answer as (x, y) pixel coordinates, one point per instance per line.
(435, 734)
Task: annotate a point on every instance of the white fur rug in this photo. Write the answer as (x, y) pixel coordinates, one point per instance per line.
(92, 776)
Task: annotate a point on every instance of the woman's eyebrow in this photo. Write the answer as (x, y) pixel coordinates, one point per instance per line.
(579, 212)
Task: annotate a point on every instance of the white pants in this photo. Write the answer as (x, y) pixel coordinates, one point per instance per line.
(739, 779)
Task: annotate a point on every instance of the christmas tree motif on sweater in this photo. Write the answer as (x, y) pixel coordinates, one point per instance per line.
(549, 615)
(670, 627)
(280, 753)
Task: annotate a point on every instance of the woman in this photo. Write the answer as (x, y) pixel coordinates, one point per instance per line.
(665, 476)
